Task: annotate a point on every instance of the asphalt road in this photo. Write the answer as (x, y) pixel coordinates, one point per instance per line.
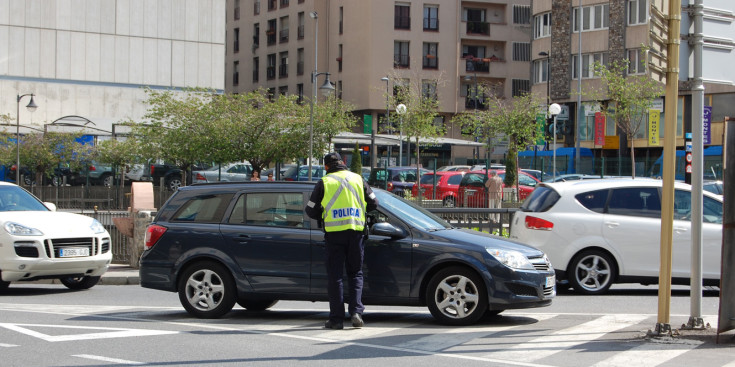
(48, 325)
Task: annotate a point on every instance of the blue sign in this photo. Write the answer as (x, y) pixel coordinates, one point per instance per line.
(706, 123)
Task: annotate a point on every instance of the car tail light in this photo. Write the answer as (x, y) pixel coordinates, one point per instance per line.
(538, 223)
(92, 168)
(200, 177)
(153, 234)
(390, 186)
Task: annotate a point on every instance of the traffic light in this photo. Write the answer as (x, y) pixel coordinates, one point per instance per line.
(549, 131)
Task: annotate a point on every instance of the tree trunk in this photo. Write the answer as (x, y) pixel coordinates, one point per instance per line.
(632, 158)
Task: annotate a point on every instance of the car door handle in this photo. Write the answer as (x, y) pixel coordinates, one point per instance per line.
(612, 224)
(243, 238)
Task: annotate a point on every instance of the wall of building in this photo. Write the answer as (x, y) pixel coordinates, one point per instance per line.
(92, 58)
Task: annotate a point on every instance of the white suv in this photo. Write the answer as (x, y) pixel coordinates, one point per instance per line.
(37, 242)
(600, 232)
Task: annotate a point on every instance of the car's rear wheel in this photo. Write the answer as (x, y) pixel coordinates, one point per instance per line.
(207, 290)
(256, 305)
(592, 272)
(449, 202)
(456, 296)
(173, 183)
(76, 283)
(107, 180)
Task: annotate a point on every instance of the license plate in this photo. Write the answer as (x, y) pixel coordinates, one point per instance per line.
(73, 252)
(550, 281)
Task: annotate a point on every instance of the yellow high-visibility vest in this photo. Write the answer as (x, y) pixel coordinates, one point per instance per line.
(344, 202)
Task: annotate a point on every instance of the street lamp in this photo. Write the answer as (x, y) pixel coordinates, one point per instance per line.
(31, 107)
(326, 88)
(400, 110)
(554, 110)
(373, 154)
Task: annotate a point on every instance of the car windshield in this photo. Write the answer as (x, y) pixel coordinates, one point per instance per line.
(415, 215)
(13, 198)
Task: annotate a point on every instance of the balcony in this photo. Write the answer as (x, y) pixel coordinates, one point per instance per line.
(283, 36)
(478, 28)
(270, 73)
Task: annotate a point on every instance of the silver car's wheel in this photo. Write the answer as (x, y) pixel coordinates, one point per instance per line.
(206, 290)
(592, 272)
(456, 296)
(449, 202)
(174, 183)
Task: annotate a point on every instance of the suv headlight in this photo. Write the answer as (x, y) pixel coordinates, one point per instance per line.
(511, 259)
(97, 227)
(18, 229)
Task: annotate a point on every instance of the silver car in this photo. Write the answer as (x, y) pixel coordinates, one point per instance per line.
(240, 171)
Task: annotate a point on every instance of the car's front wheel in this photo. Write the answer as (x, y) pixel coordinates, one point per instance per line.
(449, 202)
(256, 305)
(456, 296)
(207, 290)
(173, 183)
(592, 272)
(76, 283)
(107, 180)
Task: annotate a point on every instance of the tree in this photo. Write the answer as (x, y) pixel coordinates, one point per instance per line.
(627, 99)
(331, 117)
(512, 118)
(356, 164)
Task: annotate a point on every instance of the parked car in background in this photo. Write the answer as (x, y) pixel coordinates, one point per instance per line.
(715, 187)
(446, 184)
(601, 232)
(571, 177)
(250, 243)
(283, 169)
(301, 173)
(454, 168)
(537, 174)
(171, 174)
(472, 192)
(37, 242)
(398, 180)
(238, 171)
(482, 167)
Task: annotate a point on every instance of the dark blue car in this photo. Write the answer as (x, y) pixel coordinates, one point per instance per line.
(250, 243)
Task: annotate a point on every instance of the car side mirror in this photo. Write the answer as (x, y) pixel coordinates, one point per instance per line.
(50, 206)
(387, 229)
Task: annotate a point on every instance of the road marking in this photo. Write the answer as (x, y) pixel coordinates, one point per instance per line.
(7, 345)
(106, 359)
(650, 354)
(109, 332)
(566, 339)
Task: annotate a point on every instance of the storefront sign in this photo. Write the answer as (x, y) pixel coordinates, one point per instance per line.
(599, 128)
(654, 121)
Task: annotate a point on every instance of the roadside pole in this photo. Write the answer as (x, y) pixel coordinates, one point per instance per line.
(663, 323)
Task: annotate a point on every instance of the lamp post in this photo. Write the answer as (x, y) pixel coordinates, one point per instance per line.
(548, 94)
(31, 107)
(400, 110)
(387, 117)
(554, 110)
(326, 89)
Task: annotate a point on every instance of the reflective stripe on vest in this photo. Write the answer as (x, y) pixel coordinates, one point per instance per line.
(344, 202)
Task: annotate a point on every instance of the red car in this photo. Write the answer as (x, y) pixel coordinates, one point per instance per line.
(472, 192)
(447, 184)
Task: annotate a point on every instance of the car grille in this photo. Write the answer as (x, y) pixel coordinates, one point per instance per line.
(548, 291)
(26, 249)
(52, 246)
(522, 290)
(540, 263)
(105, 246)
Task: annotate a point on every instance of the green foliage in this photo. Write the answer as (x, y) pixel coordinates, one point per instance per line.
(43, 152)
(356, 164)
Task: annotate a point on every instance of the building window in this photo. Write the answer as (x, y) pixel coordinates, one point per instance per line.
(339, 89)
(588, 64)
(283, 67)
(270, 93)
(431, 17)
(520, 87)
(401, 57)
(283, 90)
(270, 71)
(256, 69)
(256, 7)
(256, 35)
(284, 3)
(237, 9)
(521, 51)
(283, 35)
(300, 61)
(475, 19)
(540, 73)
(637, 12)
(271, 32)
(271, 5)
(637, 61)
(594, 17)
(542, 25)
(236, 40)
(339, 58)
(300, 93)
(235, 73)
(521, 14)
(430, 55)
(402, 16)
(428, 89)
(469, 51)
(341, 19)
(300, 29)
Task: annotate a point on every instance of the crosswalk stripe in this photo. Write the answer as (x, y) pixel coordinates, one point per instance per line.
(545, 346)
(649, 354)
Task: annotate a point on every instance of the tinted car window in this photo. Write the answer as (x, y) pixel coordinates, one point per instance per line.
(526, 180)
(429, 179)
(454, 179)
(203, 209)
(474, 179)
(593, 200)
(711, 210)
(270, 209)
(540, 200)
(635, 201)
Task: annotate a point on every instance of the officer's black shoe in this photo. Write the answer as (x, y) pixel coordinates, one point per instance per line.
(333, 325)
(357, 320)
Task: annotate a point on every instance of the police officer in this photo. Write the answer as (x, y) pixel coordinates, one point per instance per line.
(340, 200)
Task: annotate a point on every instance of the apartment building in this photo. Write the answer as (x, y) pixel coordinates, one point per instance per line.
(565, 31)
(444, 46)
(86, 62)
